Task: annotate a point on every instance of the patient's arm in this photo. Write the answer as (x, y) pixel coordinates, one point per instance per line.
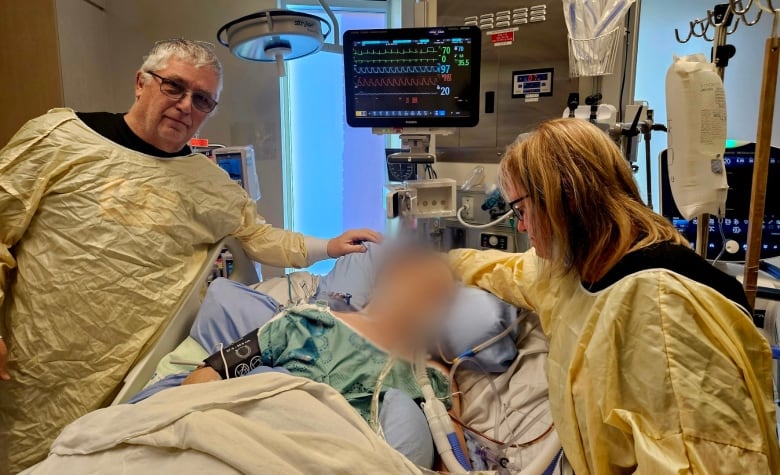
(202, 375)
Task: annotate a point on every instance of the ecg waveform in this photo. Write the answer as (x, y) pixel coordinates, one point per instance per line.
(405, 55)
(396, 69)
(396, 52)
(419, 81)
(404, 61)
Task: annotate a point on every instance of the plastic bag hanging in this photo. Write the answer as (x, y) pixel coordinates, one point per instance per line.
(696, 118)
(595, 32)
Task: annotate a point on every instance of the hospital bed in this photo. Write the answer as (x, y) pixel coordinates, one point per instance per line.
(513, 402)
(178, 327)
(509, 406)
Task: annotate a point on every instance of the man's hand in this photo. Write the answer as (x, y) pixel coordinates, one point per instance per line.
(202, 375)
(352, 241)
(4, 376)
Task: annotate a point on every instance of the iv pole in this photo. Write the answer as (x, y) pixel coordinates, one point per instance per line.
(721, 19)
(761, 162)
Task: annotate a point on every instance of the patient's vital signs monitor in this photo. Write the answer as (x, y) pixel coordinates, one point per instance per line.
(412, 77)
(239, 164)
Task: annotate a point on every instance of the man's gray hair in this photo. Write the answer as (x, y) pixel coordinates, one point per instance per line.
(197, 53)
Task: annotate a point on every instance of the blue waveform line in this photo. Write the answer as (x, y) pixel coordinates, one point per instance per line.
(396, 69)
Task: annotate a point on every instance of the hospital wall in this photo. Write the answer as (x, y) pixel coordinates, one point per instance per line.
(85, 54)
(27, 30)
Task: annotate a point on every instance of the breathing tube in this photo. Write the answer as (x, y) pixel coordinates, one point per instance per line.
(442, 429)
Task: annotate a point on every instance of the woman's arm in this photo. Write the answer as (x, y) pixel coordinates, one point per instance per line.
(509, 277)
(672, 375)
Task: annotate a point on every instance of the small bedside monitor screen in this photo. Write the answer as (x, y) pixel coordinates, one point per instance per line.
(739, 171)
(412, 77)
(231, 163)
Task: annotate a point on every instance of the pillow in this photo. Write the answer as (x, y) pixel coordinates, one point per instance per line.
(406, 429)
(352, 274)
(229, 311)
(475, 317)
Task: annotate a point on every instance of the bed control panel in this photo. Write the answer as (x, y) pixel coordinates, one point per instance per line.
(494, 241)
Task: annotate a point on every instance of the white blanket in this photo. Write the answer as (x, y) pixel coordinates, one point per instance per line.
(522, 390)
(268, 423)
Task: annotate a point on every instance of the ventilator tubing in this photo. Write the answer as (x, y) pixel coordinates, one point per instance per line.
(442, 429)
(443, 433)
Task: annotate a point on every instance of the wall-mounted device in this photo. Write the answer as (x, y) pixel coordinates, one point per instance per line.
(239, 164)
(415, 150)
(739, 169)
(399, 170)
(524, 75)
(422, 199)
(412, 77)
(480, 209)
(435, 198)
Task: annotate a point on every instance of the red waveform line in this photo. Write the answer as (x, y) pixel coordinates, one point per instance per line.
(398, 81)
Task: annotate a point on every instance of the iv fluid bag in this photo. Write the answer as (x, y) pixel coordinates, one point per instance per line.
(696, 118)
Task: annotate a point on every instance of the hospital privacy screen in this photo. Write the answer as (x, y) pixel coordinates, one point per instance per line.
(412, 77)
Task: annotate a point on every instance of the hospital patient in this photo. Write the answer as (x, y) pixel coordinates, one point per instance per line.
(348, 351)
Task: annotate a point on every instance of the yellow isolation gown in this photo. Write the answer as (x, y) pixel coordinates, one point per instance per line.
(99, 244)
(654, 374)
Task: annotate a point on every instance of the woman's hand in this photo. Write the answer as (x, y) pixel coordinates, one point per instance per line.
(202, 375)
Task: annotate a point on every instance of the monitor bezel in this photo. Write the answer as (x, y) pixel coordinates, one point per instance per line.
(351, 36)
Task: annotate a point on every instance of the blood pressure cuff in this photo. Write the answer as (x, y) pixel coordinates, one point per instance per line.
(238, 359)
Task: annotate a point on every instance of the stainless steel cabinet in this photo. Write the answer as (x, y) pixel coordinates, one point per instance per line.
(519, 36)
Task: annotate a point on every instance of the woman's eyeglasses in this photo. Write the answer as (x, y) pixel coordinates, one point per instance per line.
(519, 212)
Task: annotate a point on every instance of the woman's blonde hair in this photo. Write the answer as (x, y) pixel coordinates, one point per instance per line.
(584, 197)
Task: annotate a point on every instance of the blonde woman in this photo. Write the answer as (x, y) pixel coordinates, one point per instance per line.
(655, 365)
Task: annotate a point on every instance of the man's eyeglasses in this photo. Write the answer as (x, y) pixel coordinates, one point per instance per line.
(177, 90)
(516, 209)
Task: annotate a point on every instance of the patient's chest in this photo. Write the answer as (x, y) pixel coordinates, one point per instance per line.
(313, 344)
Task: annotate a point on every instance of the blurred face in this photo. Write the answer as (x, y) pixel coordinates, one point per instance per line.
(166, 122)
(420, 292)
(527, 222)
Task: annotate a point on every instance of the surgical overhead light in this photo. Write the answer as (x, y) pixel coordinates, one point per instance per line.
(279, 35)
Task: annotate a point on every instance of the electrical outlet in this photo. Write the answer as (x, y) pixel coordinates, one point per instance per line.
(468, 207)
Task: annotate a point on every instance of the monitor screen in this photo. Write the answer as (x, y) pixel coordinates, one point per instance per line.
(231, 163)
(412, 77)
(739, 172)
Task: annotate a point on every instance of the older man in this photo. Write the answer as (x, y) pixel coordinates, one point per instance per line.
(105, 220)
